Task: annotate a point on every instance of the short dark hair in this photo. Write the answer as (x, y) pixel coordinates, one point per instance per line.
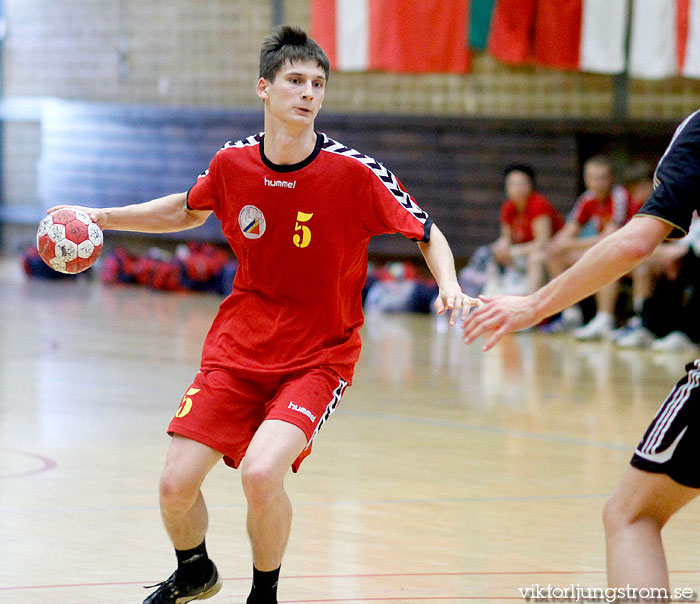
(523, 168)
(287, 43)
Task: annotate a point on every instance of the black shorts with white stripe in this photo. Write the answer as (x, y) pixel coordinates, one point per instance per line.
(672, 441)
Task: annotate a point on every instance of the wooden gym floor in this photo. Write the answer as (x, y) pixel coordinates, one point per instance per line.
(447, 474)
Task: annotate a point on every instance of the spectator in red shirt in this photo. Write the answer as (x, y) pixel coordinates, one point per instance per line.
(600, 210)
(528, 221)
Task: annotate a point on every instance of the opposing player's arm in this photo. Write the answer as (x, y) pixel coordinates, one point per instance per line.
(605, 262)
(163, 215)
(438, 256)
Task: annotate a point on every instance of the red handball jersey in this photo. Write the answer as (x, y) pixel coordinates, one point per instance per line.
(614, 209)
(520, 223)
(300, 233)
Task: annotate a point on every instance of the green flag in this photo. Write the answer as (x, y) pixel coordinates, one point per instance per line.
(480, 23)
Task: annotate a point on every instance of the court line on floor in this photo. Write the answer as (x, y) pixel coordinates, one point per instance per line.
(507, 573)
(47, 464)
(444, 423)
(343, 503)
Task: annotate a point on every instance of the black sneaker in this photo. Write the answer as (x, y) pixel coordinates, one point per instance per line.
(172, 592)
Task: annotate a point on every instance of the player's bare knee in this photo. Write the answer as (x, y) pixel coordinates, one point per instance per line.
(260, 481)
(620, 514)
(614, 517)
(177, 491)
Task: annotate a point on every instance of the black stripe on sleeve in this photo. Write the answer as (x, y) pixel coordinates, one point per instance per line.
(426, 231)
(189, 207)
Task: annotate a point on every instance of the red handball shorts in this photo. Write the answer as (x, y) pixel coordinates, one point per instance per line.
(223, 410)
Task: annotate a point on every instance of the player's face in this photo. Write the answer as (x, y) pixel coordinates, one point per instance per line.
(598, 179)
(518, 186)
(296, 94)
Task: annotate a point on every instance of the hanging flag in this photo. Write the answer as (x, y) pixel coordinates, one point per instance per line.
(583, 35)
(512, 27)
(603, 36)
(690, 64)
(682, 18)
(410, 36)
(480, 12)
(653, 35)
(665, 39)
(558, 33)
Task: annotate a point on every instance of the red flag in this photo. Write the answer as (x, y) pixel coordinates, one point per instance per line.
(400, 36)
(512, 26)
(322, 28)
(558, 33)
(419, 36)
(682, 19)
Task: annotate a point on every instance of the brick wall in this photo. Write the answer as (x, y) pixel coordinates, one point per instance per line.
(176, 52)
(204, 53)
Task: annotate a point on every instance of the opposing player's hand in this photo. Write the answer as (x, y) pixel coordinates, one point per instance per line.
(97, 215)
(498, 316)
(453, 301)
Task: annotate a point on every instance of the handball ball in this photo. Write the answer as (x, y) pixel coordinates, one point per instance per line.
(69, 241)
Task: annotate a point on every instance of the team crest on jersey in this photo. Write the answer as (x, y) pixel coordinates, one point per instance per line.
(252, 222)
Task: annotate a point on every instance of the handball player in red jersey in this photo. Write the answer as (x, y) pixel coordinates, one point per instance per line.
(298, 210)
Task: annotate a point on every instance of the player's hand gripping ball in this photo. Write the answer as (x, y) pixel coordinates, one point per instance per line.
(69, 241)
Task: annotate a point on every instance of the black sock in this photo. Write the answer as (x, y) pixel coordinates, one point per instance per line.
(193, 565)
(264, 589)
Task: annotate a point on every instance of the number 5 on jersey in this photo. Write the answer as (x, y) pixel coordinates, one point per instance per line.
(303, 239)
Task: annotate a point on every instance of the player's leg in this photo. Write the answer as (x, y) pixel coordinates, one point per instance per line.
(185, 518)
(182, 506)
(633, 518)
(557, 261)
(663, 477)
(603, 323)
(294, 417)
(536, 274)
(271, 453)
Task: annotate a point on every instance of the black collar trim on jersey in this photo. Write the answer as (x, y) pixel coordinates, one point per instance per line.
(292, 167)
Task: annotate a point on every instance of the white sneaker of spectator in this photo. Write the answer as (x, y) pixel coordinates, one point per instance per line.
(598, 328)
(572, 317)
(676, 341)
(634, 323)
(639, 337)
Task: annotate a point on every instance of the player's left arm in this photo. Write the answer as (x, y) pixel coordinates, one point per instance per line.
(438, 256)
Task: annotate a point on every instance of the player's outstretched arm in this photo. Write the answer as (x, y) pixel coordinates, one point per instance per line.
(605, 262)
(163, 215)
(438, 256)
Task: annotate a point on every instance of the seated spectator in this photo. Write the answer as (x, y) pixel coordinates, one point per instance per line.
(669, 316)
(528, 221)
(639, 181)
(397, 287)
(601, 209)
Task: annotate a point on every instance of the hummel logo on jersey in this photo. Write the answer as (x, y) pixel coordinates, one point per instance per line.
(302, 410)
(285, 184)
